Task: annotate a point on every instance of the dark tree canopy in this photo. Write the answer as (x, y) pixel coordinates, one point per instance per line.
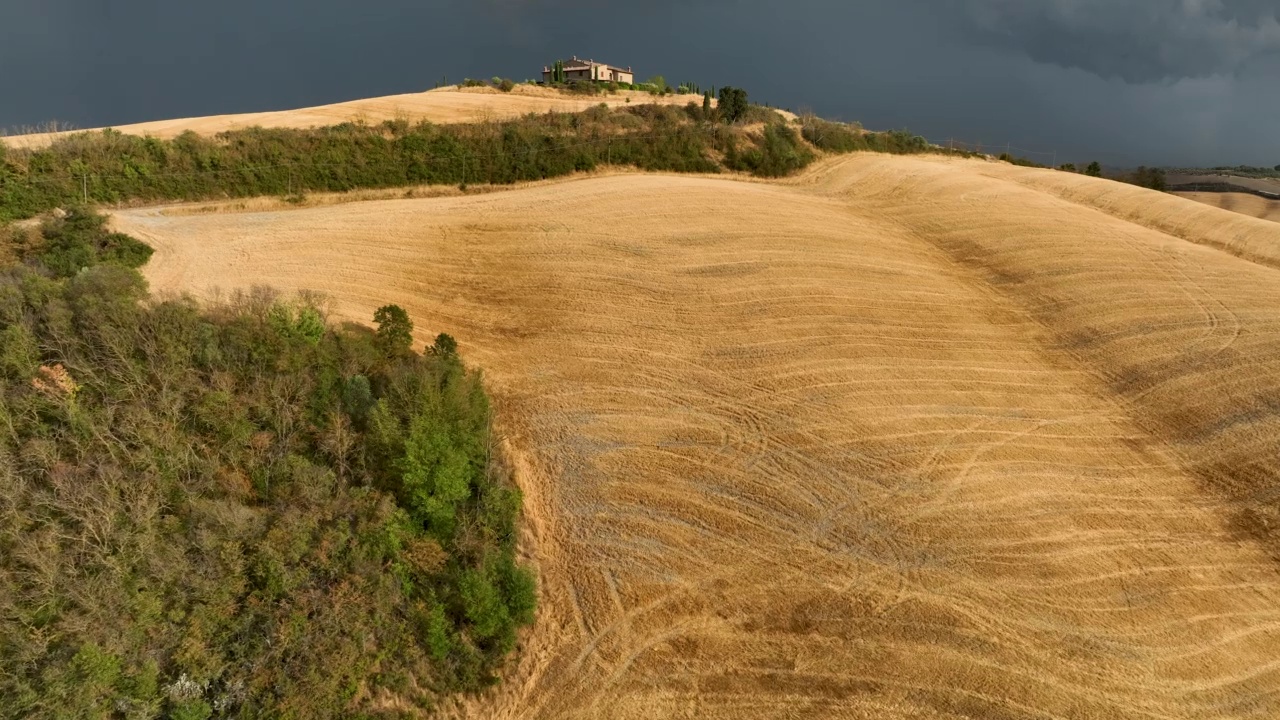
(445, 346)
(733, 103)
(395, 329)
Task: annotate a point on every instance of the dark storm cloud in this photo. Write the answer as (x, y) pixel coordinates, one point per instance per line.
(1037, 74)
(1136, 40)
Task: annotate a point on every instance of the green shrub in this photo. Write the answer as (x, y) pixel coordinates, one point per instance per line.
(357, 397)
(733, 104)
(278, 503)
(436, 631)
(258, 161)
(191, 710)
(395, 330)
(1151, 178)
(584, 87)
(780, 154)
(483, 606)
(830, 136)
(80, 239)
(1020, 161)
(507, 85)
(445, 346)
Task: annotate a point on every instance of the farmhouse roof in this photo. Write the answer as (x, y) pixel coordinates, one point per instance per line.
(577, 63)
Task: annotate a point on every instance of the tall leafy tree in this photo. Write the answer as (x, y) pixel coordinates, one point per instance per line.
(733, 103)
(395, 330)
(435, 475)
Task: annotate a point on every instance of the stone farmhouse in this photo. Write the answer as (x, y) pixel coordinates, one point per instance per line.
(578, 69)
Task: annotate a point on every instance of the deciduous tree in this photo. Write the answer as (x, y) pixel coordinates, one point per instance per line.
(395, 330)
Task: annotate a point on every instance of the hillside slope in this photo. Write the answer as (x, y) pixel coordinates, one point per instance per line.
(445, 105)
(1242, 203)
(900, 438)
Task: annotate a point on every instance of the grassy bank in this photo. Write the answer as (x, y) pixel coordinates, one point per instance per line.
(110, 167)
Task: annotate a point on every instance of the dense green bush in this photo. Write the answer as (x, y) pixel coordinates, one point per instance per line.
(110, 167)
(780, 153)
(733, 105)
(1151, 178)
(1020, 161)
(236, 510)
(841, 138)
(257, 161)
(80, 239)
(898, 142)
(585, 87)
(832, 136)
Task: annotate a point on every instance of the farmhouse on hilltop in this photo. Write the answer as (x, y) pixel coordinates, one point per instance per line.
(577, 69)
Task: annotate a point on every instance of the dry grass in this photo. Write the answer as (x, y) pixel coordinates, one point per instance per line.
(900, 438)
(271, 203)
(446, 105)
(1243, 203)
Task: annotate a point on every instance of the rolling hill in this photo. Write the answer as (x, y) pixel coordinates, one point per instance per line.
(1251, 205)
(444, 105)
(896, 438)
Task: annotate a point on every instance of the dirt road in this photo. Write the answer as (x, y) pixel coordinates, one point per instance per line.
(901, 438)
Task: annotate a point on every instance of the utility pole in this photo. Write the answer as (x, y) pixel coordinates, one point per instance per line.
(84, 187)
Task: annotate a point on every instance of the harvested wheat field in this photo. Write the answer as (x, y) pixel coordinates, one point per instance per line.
(900, 438)
(1244, 203)
(445, 105)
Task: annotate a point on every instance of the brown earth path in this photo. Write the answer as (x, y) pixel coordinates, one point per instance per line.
(901, 438)
(444, 105)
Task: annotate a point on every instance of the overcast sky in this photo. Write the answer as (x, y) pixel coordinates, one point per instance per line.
(1158, 82)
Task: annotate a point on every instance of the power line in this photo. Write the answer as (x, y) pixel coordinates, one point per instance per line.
(954, 144)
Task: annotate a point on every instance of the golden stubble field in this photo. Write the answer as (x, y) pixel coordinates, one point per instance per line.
(444, 105)
(900, 438)
(1251, 205)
